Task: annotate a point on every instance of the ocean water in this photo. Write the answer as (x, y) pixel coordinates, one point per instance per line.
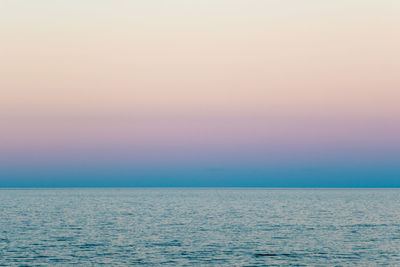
(213, 226)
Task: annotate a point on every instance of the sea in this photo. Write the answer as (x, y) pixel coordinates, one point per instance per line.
(199, 227)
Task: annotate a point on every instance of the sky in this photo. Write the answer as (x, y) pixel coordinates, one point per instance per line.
(272, 93)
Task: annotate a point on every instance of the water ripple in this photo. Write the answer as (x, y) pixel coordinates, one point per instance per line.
(231, 227)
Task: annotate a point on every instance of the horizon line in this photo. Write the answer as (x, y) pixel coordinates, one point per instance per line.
(185, 187)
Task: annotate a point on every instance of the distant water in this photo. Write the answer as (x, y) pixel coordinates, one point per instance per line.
(232, 227)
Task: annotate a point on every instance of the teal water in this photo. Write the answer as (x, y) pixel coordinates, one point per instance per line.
(228, 227)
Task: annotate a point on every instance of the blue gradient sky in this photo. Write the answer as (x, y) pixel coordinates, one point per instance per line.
(200, 93)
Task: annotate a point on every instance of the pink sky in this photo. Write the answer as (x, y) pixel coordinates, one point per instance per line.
(199, 78)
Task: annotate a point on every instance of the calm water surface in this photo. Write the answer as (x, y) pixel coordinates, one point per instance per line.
(231, 227)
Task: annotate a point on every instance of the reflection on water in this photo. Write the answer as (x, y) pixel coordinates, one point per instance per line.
(199, 227)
